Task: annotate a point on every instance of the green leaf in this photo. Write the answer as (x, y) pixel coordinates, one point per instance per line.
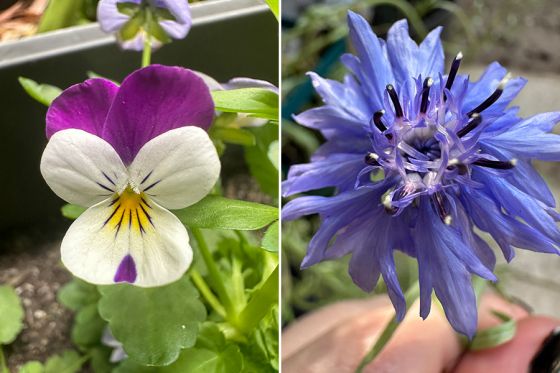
(43, 93)
(88, 327)
(71, 211)
(261, 302)
(32, 367)
(273, 5)
(212, 354)
(258, 160)
(233, 136)
(273, 154)
(270, 238)
(259, 102)
(215, 212)
(60, 14)
(11, 315)
(67, 362)
(78, 294)
(496, 335)
(99, 361)
(153, 324)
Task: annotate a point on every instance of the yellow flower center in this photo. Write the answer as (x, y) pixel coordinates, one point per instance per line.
(129, 209)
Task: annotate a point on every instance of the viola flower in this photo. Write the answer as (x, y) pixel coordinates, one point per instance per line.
(418, 160)
(129, 154)
(135, 20)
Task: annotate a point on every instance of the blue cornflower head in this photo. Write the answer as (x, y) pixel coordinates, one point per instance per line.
(134, 21)
(420, 159)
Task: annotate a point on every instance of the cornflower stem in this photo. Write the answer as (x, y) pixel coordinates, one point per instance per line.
(3, 366)
(147, 51)
(216, 278)
(207, 293)
(410, 296)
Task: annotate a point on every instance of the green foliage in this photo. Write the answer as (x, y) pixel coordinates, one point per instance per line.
(153, 324)
(215, 212)
(65, 13)
(274, 7)
(257, 102)
(495, 336)
(71, 211)
(32, 367)
(42, 93)
(11, 315)
(67, 362)
(270, 239)
(259, 157)
(78, 294)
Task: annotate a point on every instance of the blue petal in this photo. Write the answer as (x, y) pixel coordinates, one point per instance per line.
(506, 230)
(518, 203)
(330, 119)
(338, 170)
(403, 51)
(375, 66)
(447, 274)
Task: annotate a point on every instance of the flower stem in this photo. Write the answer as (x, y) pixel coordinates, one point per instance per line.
(215, 276)
(3, 367)
(147, 51)
(410, 296)
(207, 293)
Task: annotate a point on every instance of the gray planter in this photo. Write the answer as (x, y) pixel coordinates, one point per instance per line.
(229, 38)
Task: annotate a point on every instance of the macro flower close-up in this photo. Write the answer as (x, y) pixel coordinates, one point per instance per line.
(422, 160)
(129, 154)
(136, 22)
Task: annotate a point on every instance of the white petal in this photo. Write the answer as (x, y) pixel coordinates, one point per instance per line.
(177, 168)
(82, 168)
(127, 230)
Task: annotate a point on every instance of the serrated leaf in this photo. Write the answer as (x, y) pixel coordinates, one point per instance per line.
(11, 315)
(43, 93)
(495, 336)
(270, 238)
(67, 362)
(153, 324)
(259, 102)
(78, 294)
(215, 212)
(32, 367)
(71, 211)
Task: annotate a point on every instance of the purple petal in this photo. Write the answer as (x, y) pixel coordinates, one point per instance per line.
(126, 271)
(83, 106)
(154, 100)
(108, 15)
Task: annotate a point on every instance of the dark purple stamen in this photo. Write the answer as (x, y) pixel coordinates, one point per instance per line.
(453, 71)
(440, 206)
(371, 159)
(491, 99)
(377, 120)
(126, 271)
(425, 94)
(475, 121)
(499, 165)
(395, 99)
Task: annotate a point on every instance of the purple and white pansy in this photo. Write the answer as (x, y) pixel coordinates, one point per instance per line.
(135, 20)
(129, 154)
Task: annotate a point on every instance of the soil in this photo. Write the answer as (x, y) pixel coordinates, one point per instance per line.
(31, 264)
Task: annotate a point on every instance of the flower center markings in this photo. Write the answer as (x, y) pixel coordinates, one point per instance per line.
(430, 145)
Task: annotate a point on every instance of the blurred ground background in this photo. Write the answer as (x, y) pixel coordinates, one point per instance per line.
(523, 35)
